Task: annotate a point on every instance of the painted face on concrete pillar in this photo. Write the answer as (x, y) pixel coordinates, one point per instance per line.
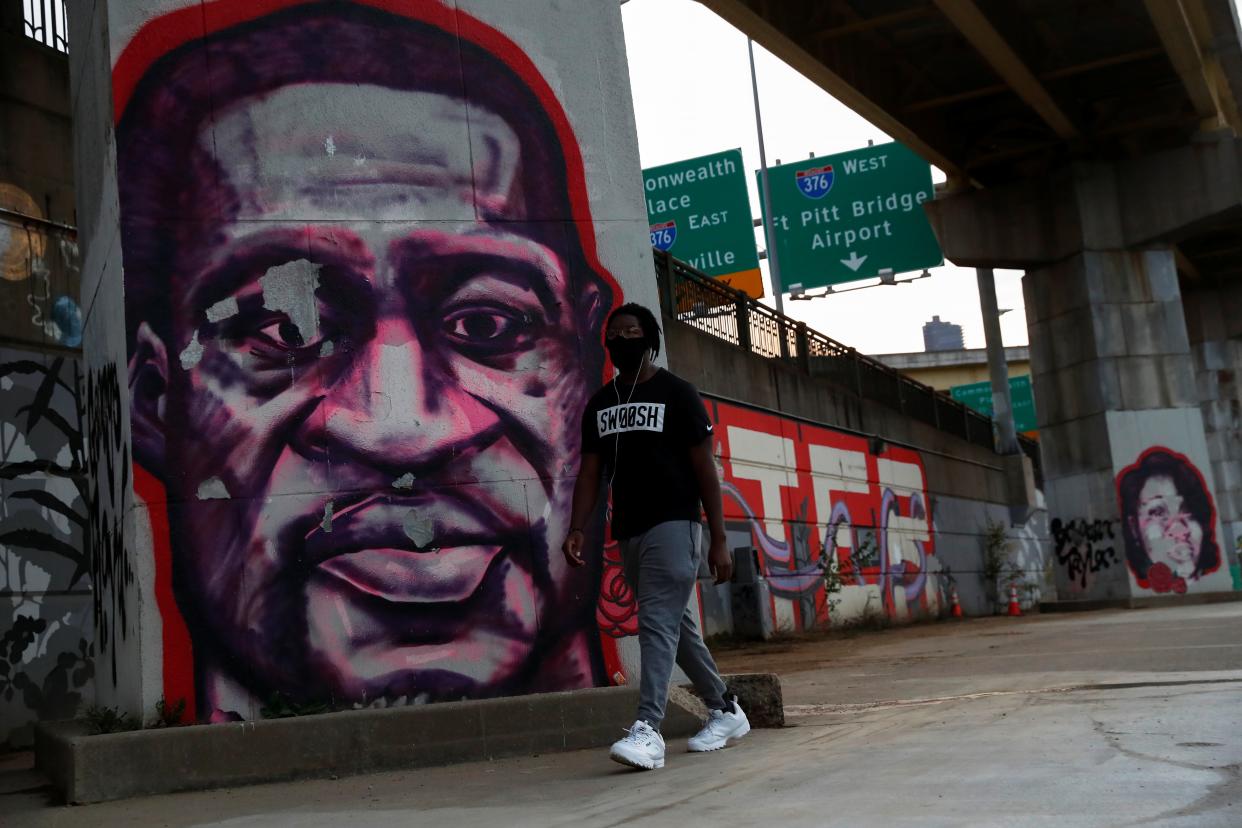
(370, 418)
(1167, 530)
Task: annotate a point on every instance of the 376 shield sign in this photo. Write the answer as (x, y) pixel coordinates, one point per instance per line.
(663, 235)
(815, 182)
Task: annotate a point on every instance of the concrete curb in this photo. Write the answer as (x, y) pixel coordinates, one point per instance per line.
(760, 696)
(1145, 602)
(86, 768)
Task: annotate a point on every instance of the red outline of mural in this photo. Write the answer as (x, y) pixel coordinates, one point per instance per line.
(1209, 531)
(178, 646)
(175, 29)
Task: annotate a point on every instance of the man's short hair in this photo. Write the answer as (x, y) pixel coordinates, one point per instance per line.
(170, 191)
(646, 320)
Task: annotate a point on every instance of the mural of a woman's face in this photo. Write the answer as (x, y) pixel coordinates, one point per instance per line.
(1166, 529)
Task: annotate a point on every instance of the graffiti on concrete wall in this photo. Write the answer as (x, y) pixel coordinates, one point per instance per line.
(808, 495)
(1084, 548)
(112, 569)
(1168, 521)
(45, 660)
(363, 301)
(39, 275)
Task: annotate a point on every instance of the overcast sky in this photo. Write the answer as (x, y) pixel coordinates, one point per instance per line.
(692, 96)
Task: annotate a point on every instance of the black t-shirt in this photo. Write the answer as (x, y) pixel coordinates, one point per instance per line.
(644, 437)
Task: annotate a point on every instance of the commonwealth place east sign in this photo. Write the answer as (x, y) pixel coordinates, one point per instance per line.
(699, 212)
(844, 217)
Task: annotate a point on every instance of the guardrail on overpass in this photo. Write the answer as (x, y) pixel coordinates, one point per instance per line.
(691, 296)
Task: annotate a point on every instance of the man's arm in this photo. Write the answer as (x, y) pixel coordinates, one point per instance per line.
(586, 495)
(718, 557)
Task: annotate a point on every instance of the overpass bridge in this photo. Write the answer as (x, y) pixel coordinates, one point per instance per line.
(230, 154)
(1095, 145)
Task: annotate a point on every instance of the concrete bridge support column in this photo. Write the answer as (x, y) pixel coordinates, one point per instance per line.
(1214, 324)
(1114, 376)
(345, 275)
(1130, 480)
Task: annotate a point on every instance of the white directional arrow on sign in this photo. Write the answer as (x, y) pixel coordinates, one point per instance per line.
(854, 261)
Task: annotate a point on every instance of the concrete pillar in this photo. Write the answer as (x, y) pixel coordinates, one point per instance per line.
(128, 642)
(1128, 479)
(1214, 323)
(345, 271)
(998, 370)
(1114, 376)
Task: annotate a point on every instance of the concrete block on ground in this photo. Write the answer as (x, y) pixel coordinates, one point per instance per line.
(759, 694)
(95, 768)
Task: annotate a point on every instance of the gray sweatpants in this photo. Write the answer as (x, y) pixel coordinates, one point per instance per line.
(661, 566)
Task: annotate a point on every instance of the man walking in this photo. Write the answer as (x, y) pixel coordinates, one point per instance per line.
(648, 431)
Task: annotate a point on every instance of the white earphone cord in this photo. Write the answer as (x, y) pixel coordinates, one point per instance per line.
(616, 452)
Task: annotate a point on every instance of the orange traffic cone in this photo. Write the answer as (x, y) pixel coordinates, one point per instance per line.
(1014, 608)
(956, 610)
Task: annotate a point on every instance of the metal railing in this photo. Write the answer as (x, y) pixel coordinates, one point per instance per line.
(691, 296)
(47, 21)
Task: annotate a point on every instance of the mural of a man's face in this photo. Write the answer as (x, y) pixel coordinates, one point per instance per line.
(1168, 531)
(368, 424)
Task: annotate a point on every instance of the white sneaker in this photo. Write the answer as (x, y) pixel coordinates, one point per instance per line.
(720, 728)
(643, 748)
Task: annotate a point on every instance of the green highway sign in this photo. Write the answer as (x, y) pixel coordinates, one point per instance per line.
(699, 212)
(978, 395)
(844, 217)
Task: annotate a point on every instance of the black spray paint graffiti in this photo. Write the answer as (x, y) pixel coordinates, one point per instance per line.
(111, 569)
(1084, 547)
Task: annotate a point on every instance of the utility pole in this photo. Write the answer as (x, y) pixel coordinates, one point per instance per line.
(1004, 432)
(769, 232)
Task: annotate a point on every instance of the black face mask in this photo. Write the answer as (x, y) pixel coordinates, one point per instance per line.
(627, 354)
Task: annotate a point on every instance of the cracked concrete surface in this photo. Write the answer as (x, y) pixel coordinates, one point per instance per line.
(1109, 719)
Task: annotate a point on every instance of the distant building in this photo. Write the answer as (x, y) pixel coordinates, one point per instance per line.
(943, 370)
(956, 371)
(942, 336)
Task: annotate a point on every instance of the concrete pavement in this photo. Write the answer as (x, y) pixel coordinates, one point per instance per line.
(1105, 719)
